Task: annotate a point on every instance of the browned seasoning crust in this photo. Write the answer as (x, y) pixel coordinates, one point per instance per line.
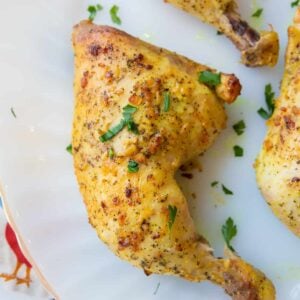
(130, 211)
(278, 164)
(257, 48)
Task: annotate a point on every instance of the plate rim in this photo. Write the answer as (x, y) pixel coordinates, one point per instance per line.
(23, 245)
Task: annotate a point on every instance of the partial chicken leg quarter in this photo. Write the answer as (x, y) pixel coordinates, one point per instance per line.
(257, 49)
(141, 113)
(278, 164)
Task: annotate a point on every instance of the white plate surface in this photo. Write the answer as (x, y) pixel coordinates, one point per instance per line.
(36, 70)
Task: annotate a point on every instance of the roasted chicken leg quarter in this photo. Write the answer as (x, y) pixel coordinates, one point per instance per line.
(278, 164)
(140, 113)
(257, 49)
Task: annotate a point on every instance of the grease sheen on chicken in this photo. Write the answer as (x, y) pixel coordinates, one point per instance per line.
(278, 164)
(257, 48)
(130, 211)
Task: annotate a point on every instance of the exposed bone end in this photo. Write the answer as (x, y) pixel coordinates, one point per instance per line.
(243, 281)
(229, 89)
(264, 52)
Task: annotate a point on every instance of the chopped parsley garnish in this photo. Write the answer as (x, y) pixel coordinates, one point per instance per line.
(295, 3)
(226, 190)
(229, 231)
(114, 15)
(93, 9)
(70, 149)
(111, 153)
(13, 112)
(214, 183)
(219, 32)
(112, 132)
(127, 120)
(239, 127)
(167, 100)
(133, 166)
(157, 288)
(238, 151)
(172, 215)
(210, 78)
(128, 111)
(270, 101)
(258, 13)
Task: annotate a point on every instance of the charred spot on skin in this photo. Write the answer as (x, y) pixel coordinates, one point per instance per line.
(242, 28)
(155, 236)
(151, 177)
(104, 206)
(84, 79)
(124, 242)
(289, 123)
(94, 50)
(296, 179)
(107, 49)
(122, 219)
(128, 192)
(105, 98)
(187, 175)
(137, 60)
(109, 75)
(116, 201)
(145, 225)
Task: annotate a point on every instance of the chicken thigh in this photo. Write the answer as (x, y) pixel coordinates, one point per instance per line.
(278, 164)
(257, 49)
(140, 113)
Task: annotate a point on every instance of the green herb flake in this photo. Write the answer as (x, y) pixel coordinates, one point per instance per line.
(238, 151)
(111, 153)
(172, 215)
(112, 132)
(219, 32)
(167, 101)
(93, 9)
(270, 102)
(239, 127)
(13, 112)
(128, 111)
(214, 183)
(133, 166)
(127, 120)
(295, 3)
(229, 231)
(258, 13)
(114, 15)
(70, 149)
(262, 112)
(226, 190)
(157, 288)
(210, 78)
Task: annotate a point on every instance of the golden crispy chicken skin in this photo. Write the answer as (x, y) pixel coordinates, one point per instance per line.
(257, 49)
(278, 164)
(141, 113)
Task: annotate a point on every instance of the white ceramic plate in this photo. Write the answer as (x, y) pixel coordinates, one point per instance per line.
(40, 191)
